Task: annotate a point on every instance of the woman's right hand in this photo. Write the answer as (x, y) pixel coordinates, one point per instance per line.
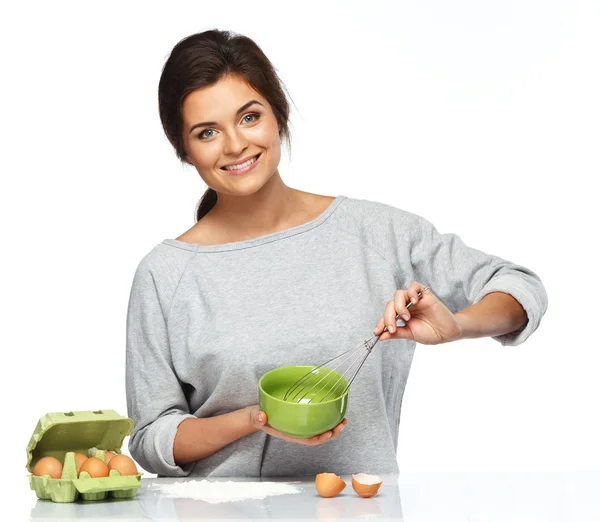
(258, 419)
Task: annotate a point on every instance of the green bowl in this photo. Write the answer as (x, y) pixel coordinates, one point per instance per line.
(302, 419)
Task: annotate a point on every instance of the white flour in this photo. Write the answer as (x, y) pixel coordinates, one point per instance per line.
(226, 491)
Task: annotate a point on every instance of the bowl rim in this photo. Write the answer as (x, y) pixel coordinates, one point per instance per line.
(307, 404)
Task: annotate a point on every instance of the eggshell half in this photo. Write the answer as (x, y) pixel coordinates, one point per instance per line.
(329, 484)
(366, 485)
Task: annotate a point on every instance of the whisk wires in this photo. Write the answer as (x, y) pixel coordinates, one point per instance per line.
(359, 354)
(356, 357)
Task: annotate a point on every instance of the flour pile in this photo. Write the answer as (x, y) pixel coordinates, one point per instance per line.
(226, 491)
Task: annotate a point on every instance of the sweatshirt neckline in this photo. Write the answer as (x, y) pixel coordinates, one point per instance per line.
(260, 240)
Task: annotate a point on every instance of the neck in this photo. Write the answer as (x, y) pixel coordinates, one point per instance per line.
(264, 211)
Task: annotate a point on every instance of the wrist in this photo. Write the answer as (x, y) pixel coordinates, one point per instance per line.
(466, 328)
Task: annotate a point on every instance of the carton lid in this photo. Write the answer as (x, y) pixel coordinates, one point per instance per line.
(60, 432)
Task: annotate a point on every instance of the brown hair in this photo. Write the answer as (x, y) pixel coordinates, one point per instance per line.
(203, 59)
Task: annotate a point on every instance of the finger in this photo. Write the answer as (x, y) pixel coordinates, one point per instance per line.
(403, 332)
(339, 428)
(389, 316)
(324, 437)
(400, 301)
(260, 418)
(380, 326)
(312, 441)
(413, 292)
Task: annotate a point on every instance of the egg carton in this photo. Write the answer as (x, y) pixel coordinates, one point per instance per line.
(61, 435)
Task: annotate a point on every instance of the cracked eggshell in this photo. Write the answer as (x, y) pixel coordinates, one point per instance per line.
(366, 485)
(329, 484)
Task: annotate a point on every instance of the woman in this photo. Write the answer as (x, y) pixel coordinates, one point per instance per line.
(271, 276)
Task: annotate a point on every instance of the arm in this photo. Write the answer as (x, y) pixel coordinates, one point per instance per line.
(473, 294)
(198, 438)
(431, 322)
(155, 399)
(495, 315)
(167, 439)
(478, 288)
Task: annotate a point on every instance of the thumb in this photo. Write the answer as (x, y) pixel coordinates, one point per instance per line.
(259, 417)
(402, 332)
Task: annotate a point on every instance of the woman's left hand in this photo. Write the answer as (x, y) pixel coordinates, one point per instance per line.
(427, 321)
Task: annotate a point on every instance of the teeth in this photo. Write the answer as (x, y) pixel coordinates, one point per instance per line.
(242, 165)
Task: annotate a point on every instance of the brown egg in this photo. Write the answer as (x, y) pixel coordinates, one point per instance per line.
(80, 458)
(95, 467)
(123, 464)
(329, 484)
(366, 485)
(109, 455)
(48, 466)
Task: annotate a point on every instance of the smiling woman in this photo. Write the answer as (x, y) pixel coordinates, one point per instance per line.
(266, 275)
(234, 141)
(234, 111)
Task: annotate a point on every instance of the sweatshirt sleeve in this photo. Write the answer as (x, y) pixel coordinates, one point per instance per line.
(155, 399)
(461, 276)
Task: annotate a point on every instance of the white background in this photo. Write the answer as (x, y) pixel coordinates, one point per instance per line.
(482, 117)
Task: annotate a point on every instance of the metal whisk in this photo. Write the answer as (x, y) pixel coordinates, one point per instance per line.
(337, 373)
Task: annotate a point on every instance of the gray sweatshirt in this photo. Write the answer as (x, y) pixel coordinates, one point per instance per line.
(205, 322)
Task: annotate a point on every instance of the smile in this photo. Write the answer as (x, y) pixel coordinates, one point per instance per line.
(241, 168)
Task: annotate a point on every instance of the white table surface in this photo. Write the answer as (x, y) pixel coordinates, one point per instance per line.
(447, 497)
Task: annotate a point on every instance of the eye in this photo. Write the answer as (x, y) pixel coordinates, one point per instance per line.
(253, 115)
(203, 134)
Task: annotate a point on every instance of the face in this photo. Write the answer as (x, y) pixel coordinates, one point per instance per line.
(228, 125)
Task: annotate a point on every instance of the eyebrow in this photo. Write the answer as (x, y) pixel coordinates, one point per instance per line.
(239, 111)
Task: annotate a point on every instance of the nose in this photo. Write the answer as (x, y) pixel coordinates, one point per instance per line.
(235, 143)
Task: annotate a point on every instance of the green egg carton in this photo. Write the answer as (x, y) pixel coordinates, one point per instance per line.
(61, 435)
